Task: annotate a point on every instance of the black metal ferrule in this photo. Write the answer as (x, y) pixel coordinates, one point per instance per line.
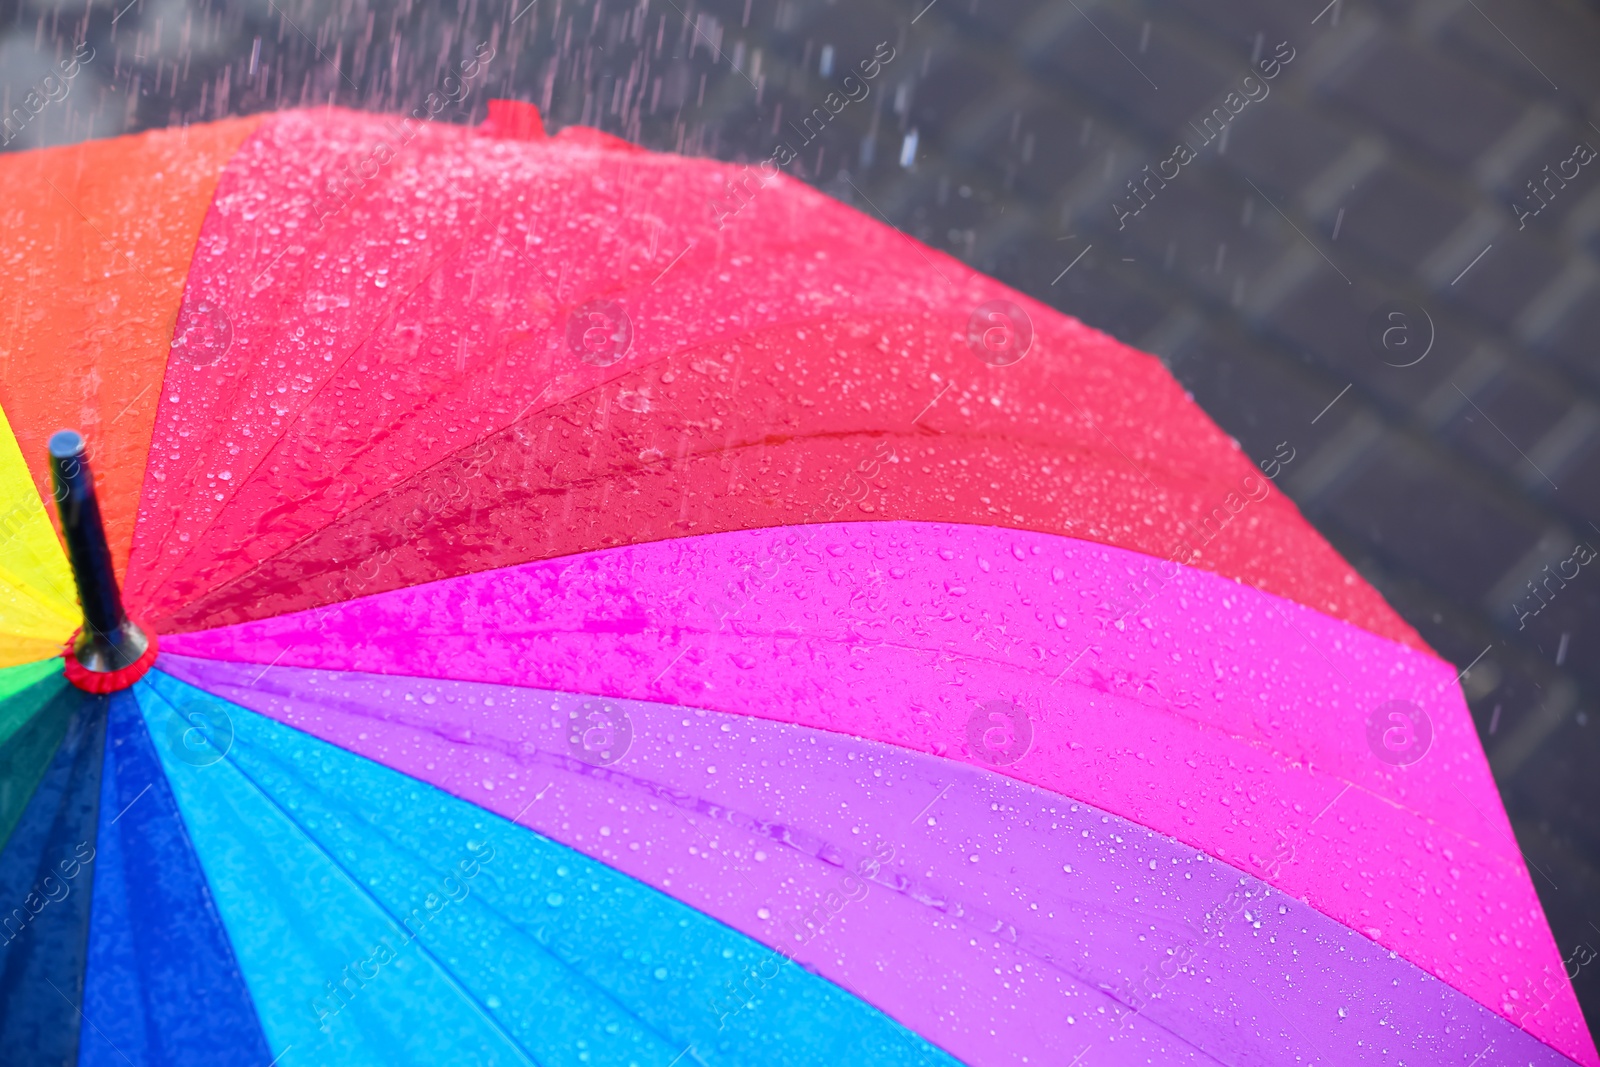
(108, 641)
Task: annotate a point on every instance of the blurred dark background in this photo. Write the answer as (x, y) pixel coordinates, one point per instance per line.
(1374, 208)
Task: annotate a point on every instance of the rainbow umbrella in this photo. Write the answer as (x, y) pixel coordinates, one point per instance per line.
(548, 602)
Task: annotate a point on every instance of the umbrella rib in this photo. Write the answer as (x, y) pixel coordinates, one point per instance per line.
(414, 478)
(344, 872)
(417, 478)
(692, 805)
(750, 823)
(86, 1019)
(291, 769)
(398, 300)
(35, 595)
(564, 763)
(1285, 761)
(445, 972)
(565, 966)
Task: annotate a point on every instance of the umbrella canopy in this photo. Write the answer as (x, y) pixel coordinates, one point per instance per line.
(621, 608)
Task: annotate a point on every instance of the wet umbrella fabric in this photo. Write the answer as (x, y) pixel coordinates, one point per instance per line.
(760, 675)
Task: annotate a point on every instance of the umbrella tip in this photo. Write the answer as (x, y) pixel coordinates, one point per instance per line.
(66, 444)
(515, 120)
(109, 652)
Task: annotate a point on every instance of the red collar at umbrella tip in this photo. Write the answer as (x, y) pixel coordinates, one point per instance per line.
(109, 652)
